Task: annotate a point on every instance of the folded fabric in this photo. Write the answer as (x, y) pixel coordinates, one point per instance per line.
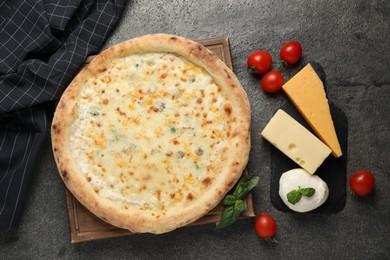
(43, 43)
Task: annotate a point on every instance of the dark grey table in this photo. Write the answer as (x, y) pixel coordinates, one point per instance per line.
(350, 39)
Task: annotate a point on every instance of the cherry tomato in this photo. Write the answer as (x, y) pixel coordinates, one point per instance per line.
(272, 81)
(259, 62)
(291, 52)
(362, 182)
(265, 226)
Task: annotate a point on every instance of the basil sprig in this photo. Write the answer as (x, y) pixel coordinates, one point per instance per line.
(234, 203)
(295, 195)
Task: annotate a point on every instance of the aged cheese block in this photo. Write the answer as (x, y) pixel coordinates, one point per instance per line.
(306, 91)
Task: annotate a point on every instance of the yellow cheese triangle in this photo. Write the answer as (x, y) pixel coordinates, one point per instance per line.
(307, 93)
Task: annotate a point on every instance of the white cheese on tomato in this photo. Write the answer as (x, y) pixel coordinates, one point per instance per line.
(299, 178)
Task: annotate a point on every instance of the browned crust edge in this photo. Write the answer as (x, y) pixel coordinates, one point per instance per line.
(237, 155)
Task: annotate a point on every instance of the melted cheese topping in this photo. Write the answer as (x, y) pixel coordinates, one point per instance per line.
(148, 130)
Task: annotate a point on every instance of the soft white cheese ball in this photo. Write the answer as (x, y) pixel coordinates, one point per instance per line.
(299, 178)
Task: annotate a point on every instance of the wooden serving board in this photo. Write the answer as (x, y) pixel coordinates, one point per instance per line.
(85, 226)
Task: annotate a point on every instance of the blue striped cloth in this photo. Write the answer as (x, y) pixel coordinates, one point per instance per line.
(43, 43)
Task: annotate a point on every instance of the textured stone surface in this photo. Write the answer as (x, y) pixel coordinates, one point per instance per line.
(351, 41)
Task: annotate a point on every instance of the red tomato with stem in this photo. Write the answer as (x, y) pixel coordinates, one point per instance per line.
(265, 226)
(362, 182)
(291, 52)
(259, 62)
(272, 81)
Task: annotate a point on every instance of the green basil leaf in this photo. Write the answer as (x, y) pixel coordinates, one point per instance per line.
(239, 207)
(231, 213)
(294, 196)
(234, 204)
(245, 185)
(226, 217)
(308, 192)
(229, 200)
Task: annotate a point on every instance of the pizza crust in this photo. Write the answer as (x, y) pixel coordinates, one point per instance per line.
(232, 161)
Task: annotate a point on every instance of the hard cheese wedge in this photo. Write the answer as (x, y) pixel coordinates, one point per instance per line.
(295, 141)
(307, 93)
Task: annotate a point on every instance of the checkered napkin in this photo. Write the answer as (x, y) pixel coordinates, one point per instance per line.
(43, 43)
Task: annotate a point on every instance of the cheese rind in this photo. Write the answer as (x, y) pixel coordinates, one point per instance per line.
(307, 93)
(295, 141)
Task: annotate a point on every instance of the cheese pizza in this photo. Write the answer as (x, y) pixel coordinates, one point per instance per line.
(152, 134)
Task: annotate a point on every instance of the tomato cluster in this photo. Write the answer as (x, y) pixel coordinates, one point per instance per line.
(260, 62)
